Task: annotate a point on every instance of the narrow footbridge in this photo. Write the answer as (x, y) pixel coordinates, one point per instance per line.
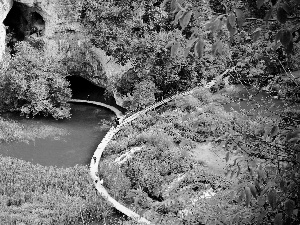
(113, 109)
(94, 165)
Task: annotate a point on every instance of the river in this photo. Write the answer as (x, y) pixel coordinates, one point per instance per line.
(75, 142)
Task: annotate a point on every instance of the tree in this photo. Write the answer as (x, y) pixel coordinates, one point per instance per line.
(138, 31)
(251, 38)
(274, 186)
(143, 94)
(234, 25)
(34, 84)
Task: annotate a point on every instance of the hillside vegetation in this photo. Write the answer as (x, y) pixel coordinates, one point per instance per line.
(210, 47)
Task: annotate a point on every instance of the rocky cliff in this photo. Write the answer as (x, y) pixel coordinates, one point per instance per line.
(5, 7)
(54, 25)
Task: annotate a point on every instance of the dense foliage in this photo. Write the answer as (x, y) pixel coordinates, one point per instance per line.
(262, 179)
(34, 194)
(34, 83)
(175, 45)
(138, 31)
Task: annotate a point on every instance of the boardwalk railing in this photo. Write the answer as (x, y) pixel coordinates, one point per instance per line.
(94, 165)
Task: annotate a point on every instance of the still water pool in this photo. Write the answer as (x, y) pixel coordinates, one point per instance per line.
(72, 141)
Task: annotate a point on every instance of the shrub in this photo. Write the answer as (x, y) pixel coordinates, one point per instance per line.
(36, 194)
(34, 83)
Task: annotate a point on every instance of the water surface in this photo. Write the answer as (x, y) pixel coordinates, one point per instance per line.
(74, 144)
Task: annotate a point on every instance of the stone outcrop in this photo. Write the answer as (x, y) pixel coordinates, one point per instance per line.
(113, 72)
(5, 6)
(54, 25)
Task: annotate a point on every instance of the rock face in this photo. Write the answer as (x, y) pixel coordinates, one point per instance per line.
(5, 6)
(54, 25)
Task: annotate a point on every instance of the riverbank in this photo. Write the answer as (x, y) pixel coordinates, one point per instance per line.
(36, 194)
(61, 143)
(168, 143)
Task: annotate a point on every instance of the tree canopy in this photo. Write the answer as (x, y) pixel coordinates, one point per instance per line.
(179, 43)
(175, 45)
(34, 83)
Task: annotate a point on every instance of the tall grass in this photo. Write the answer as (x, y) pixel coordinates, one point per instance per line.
(13, 131)
(35, 194)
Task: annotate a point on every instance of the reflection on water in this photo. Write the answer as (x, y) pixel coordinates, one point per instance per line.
(65, 143)
(63, 149)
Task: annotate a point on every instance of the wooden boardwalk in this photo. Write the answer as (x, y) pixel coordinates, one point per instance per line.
(118, 113)
(94, 165)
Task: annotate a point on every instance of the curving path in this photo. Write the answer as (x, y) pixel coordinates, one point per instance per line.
(94, 165)
(118, 113)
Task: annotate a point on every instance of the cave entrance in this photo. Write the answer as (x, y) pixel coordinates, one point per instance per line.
(17, 23)
(23, 22)
(37, 24)
(86, 90)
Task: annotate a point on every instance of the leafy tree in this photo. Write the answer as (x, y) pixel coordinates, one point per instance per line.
(273, 186)
(34, 83)
(236, 27)
(138, 31)
(188, 42)
(143, 94)
(176, 43)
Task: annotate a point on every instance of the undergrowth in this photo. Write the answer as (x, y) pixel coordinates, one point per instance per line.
(35, 194)
(163, 181)
(258, 186)
(11, 131)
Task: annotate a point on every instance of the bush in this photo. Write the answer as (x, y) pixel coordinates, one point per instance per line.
(34, 84)
(115, 180)
(139, 32)
(36, 194)
(149, 168)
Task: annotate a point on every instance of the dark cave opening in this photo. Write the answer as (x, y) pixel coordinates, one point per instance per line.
(22, 22)
(37, 24)
(86, 90)
(16, 22)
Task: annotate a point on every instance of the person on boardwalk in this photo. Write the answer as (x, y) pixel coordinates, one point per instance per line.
(119, 119)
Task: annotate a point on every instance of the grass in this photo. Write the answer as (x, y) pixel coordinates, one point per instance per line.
(13, 131)
(167, 137)
(34, 194)
(48, 195)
